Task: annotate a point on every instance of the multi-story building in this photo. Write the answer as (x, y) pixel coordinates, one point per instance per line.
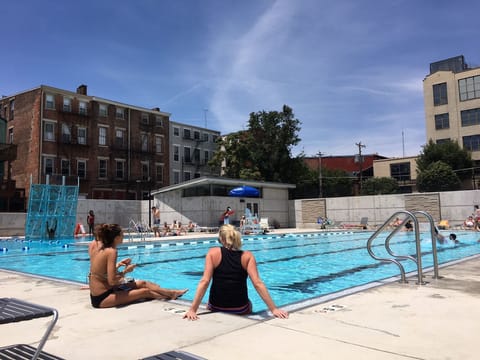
(191, 148)
(113, 150)
(452, 104)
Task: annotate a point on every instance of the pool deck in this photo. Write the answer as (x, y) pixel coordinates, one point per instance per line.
(440, 320)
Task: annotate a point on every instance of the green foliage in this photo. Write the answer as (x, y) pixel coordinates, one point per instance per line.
(379, 186)
(438, 176)
(336, 183)
(263, 151)
(449, 153)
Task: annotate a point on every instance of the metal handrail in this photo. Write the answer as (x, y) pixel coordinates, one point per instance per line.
(418, 259)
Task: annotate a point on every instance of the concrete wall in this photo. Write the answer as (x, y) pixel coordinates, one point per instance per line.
(206, 211)
(453, 205)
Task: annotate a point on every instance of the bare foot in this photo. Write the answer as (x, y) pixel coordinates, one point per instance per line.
(177, 293)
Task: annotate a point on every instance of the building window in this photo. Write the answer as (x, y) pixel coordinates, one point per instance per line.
(67, 104)
(176, 176)
(196, 156)
(159, 172)
(81, 169)
(471, 143)
(49, 131)
(66, 134)
(65, 167)
(187, 134)
(205, 137)
(102, 168)
(442, 121)
(158, 121)
(49, 102)
(187, 175)
(12, 109)
(144, 119)
(120, 169)
(82, 135)
(470, 117)
(176, 153)
(214, 138)
(102, 135)
(400, 171)
(206, 156)
(144, 140)
(82, 108)
(443, 141)
(187, 158)
(469, 88)
(176, 131)
(103, 110)
(48, 165)
(145, 171)
(440, 94)
(10, 136)
(120, 113)
(158, 144)
(196, 135)
(120, 138)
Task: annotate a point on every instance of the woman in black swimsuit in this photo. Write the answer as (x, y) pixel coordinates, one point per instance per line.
(108, 286)
(229, 267)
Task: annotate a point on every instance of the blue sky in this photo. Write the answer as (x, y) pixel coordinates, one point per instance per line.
(351, 70)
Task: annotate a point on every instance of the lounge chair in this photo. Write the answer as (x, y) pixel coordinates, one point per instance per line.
(264, 224)
(363, 224)
(15, 310)
(174, 355)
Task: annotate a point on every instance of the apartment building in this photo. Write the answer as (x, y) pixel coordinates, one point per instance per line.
(452, 104)
(191, 148)
(113, 150)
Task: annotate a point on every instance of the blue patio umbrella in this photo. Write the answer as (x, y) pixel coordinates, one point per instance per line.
(246, 191)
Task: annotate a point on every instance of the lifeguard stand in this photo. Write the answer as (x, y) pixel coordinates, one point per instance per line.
(55, 204)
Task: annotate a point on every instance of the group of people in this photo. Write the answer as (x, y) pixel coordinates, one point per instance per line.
(227, 268)
(472, 222)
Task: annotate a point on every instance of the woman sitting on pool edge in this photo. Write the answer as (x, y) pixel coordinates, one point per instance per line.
(108, 287)
(229, 267)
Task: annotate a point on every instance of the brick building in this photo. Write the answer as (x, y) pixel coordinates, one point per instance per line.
(113, 150)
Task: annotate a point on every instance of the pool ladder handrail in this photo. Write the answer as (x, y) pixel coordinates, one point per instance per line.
(137, 228)
(396, 257)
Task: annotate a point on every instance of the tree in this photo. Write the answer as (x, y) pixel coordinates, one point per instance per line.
(438, 177)
(263, 151)
(336, 183)
(379, 186)
(450, 153)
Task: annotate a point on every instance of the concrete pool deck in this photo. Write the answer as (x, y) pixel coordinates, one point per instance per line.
(439, 320)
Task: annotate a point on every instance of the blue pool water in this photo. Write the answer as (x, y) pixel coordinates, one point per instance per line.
(295, 267)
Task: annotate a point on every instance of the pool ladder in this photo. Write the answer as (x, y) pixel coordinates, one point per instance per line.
(409, 215)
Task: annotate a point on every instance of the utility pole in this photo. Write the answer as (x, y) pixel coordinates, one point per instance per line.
(320, 195)
(360, 160)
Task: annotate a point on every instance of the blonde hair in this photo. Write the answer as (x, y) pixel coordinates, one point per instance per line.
(230, 237)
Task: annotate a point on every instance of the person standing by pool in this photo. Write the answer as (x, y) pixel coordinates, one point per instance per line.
(91, 222)
(108, 286)
(226, 215)
(156, 221)
(229, 268)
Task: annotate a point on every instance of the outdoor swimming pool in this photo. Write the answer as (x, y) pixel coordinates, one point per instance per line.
(295, 267)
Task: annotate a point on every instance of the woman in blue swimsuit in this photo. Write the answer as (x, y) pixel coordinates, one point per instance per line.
(229, 267)
(108, 286)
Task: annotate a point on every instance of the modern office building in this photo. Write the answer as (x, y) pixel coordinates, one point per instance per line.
(113, 150)
(452, 104)
(191, 148)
